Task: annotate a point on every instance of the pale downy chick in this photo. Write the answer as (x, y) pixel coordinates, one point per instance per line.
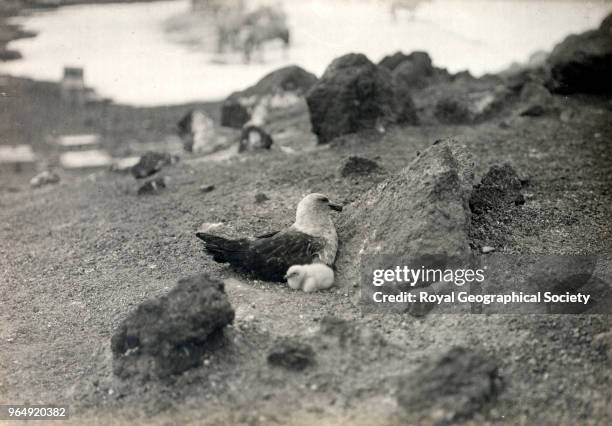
(309, 278)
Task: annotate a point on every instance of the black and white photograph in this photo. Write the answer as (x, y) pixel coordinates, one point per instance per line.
(306, 212)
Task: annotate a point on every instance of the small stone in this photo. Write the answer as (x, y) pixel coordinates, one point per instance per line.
(487, 249)
(207, 188)
(254, 138)
(152, 186)
(291, 355)
(260, 197)
(359, 166)
(519, 200)
(151, 163)
(533, 111)
(44, 178)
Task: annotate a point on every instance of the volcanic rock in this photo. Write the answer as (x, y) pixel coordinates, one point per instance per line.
(536, 100)
(414, 72)
(421, 212)
(453, 386)
(390, 62)
(499, 188)
(352, 95)
(582, 63)
(169, 334)
(283, 86)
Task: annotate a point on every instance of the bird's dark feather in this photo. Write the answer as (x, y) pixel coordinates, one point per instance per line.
(266, 258)
(267, 234)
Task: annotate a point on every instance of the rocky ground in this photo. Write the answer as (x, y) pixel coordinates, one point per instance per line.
(84, 254)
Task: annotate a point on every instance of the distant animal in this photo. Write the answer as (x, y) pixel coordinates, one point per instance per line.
(261, 26)
(309, 278)
(248, 32)
(311, 238)
(229, 19)
(409, 5)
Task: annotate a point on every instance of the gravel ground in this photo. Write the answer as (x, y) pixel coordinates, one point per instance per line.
(78, 256)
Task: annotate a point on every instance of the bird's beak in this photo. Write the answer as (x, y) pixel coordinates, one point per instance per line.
(285, 276)
(336, 207)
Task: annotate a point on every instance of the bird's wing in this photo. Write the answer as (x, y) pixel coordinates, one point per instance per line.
(267, 235)
(273, 256)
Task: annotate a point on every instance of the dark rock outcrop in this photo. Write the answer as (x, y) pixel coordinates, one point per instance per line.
(455, 385)
(169, 335)
(582, 63)
(414, 72)
(237, 108)
(151, 163)
(352, 95)
(291, 355)
(390, 62)
(254, 138)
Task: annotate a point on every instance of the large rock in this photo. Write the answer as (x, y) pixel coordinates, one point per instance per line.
(170, 334)
(453, 386)
(414, 72)
(282, 87)
(536, 100)
(582, 63)
(423, 210)
(352, 95)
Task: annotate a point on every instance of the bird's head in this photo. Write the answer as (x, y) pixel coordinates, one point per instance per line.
(312, 214)
(316, 205)
(295, 276)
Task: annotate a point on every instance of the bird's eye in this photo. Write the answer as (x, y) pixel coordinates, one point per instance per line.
(325, 200)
